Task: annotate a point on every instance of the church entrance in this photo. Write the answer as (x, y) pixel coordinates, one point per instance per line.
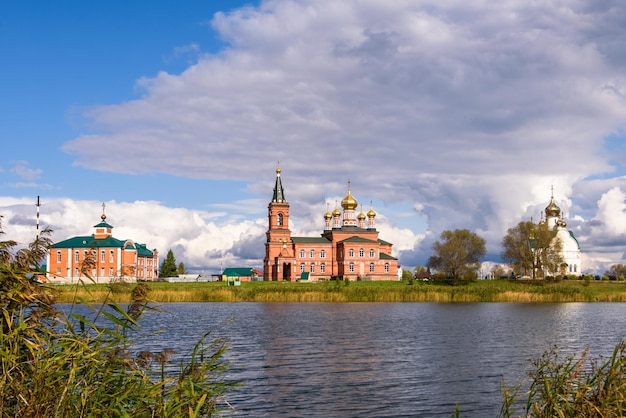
(287, 272)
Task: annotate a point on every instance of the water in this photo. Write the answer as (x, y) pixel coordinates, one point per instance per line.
(384, 359)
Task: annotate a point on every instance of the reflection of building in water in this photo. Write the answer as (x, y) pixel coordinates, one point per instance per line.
(348, 247)
(571, 253)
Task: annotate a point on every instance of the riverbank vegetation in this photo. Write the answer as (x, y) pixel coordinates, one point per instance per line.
(532, 291)
(57, 364)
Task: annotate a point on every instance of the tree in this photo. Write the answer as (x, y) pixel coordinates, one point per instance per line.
(532, 249)
(457, 253)
(181, 268)
(616, 270)
(168, 267)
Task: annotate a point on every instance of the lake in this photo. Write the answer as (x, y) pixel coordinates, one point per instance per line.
(384, 359)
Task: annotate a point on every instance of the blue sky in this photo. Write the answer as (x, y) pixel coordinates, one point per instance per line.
(443, 115)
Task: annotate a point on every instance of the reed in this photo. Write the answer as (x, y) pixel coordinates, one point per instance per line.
(340, 292)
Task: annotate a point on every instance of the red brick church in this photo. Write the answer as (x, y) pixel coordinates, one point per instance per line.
(348, 248)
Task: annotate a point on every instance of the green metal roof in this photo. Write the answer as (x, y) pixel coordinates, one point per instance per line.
(384, 256)
(357, 239)
(238, 272)
(310, 240)
(89, 242)
(103, 225)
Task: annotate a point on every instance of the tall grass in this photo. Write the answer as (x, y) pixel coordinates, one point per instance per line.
(480, 291)
(572, 387)
(72, 365)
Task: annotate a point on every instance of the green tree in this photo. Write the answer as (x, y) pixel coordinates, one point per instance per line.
(457, 253)
(616, 270)
(532, 249)
(168, 267)
(181, 268)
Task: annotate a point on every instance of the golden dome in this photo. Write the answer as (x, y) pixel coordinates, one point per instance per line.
(371, 213)
(349, 202)
(552, 209)
(361, 216)
(336, 213)
(327, 215)
(278, 170)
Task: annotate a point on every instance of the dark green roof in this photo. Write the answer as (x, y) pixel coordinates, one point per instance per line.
(384, 256)
(310, 240)
(103, 225)
(88, 242)
(384, 242)
(358, 239)
(238, 272)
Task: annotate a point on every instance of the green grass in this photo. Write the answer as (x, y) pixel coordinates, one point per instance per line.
(338, 291)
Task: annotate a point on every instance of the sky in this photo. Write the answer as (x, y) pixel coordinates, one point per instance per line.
(441, 114)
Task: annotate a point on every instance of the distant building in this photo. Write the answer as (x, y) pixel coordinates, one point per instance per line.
(348, 248)
(571, 253)
(102, 257)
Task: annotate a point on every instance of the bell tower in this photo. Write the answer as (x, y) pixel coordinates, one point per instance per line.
(279, 257)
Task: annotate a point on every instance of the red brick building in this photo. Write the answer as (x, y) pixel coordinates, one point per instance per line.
(102, 257)
(348, 248)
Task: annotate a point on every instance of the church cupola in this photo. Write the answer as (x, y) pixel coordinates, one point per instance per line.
(349, 204)
(102, 229)
(553, 212)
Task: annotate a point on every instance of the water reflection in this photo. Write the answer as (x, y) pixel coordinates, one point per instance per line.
(388, 359)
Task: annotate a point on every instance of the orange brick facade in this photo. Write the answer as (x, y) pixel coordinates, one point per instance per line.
(348, 248)
(101, 257)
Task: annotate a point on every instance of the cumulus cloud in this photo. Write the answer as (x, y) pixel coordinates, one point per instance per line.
(471, 110)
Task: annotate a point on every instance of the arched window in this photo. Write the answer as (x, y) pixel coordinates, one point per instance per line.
(323, 268)
(312, 254)
(322, 253)
(351, 267)
(301, 267)
(361, 252)
(371, 253)
(371, 267)
(351, 252)
(301, 253)
(279, 220)
(386, 267)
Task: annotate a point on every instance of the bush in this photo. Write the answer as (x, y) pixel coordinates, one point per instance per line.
(573, 387)
(57, 364)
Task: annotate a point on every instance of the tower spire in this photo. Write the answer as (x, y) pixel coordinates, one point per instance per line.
(279, 192)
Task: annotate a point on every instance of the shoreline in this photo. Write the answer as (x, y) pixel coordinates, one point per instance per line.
(347, 292)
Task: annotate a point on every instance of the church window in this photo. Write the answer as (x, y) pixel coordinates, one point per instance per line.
(323, 268)
(111, 271)
(322, 253)
(102, 272)
(371, 267)
(111, 256)
(312, 268)
(302, 268)
(386, 267)
(361, 252)
(351, 252)
(76, 271)
(312, 255)
(58, 256)
(371, 253)
(76, 256)
(102, 258)
(301, 253)
(351, 268)
(280, 219)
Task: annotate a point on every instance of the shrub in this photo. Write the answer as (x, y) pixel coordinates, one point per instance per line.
(57, 364)
(573, 387)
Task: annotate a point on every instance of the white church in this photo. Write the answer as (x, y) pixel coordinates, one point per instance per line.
(571, 253)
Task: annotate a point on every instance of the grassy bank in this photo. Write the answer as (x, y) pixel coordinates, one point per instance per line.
(480, 291)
